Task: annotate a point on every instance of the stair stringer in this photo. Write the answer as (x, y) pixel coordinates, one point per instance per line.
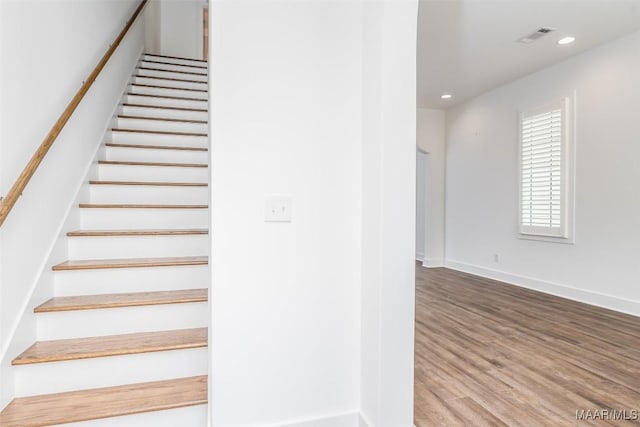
(23, 330)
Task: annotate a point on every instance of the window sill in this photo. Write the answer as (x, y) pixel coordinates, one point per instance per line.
(564, 240)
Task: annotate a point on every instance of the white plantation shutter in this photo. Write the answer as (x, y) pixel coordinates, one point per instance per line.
(542, 171)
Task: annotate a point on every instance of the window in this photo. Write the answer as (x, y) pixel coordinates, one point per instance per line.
(545, 173)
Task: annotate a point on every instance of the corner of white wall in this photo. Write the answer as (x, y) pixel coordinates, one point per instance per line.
(388, 247)
(431, 139)
(349, 419)
(433, 262)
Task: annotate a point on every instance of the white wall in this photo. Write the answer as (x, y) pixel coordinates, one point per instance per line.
(430, 139)
(181, 28)
(482, 135)
(43, 65)
(286, 119)
(422, 202)
(290, 85)
(388, 212)
(152, 27)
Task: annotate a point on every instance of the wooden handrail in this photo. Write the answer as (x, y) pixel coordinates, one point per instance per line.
(27, 173)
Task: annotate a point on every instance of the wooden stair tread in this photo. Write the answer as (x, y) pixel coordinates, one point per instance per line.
(112, 233)
(171, 79)
(85, 405)
(160, 119)
(156, 147)
(171, 63)
(179, 165)
(159, 132)
(112, 345)
(151, 183)
(160, 107)
(137, 206)
(168, 87)
(175, 57)
(172, 71)
(94, 264)
(133, 299)
(166, 97)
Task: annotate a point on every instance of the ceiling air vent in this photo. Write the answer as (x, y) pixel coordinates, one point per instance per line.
(530, 38)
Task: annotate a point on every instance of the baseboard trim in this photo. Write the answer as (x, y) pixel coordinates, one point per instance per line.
(433, 262)
(348, 419)
(588, 297)
(363, 421)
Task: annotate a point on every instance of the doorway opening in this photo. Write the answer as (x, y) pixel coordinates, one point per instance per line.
(205, 33)
(422, 203)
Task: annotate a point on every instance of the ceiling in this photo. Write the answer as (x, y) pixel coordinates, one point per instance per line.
(467, 47)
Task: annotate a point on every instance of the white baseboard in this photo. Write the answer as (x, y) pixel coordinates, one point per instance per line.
(363, 421)
(588, 297)
(433, 262)
(350, 419)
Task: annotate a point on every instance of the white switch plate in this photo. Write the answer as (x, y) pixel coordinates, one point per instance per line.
(277, 209)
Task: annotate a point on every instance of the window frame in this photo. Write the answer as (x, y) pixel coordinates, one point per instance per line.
(564, 233)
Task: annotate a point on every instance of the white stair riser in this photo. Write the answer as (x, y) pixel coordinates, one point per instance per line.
(122, 219)
(149, 194)
(158, 139)
(164, 113)
(165, 126)
(191, 416)
(109, 371)
(137, 247)
(108, 172)
(181, 74)
(155, 155)
(174, 60)
(180, 81)
(114, 321)
(167, 92)
(118, 280)
(162, 102)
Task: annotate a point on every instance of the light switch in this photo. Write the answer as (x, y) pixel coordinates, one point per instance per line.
(277, 209)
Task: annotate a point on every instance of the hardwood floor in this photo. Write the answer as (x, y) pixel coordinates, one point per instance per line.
(83, 405)
(492, 354)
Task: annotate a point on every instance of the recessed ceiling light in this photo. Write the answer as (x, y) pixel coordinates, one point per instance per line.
(446, 96)
(566, 40)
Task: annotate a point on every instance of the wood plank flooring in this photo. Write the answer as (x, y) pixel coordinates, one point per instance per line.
(493, 354)
(152, 232)
(137, 206)
(91, 264)
(151, 183)
(132, 299)
(112, 345)
(83, 405)
(171, 165)
(156, 147)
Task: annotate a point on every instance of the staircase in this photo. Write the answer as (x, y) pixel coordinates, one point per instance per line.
(124, 340)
